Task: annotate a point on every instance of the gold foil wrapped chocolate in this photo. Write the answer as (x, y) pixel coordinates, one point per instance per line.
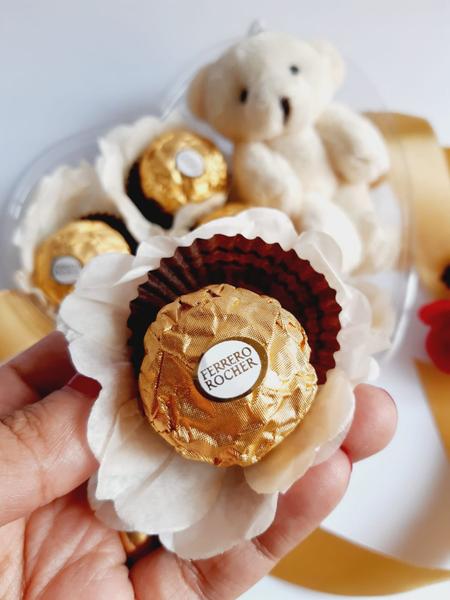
(60, 257)
(137, 544)
(180, 167)
(228, 210)
(226, 375)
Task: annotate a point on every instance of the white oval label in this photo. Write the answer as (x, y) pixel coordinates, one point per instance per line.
(190, 163)
(230, 369)
(66, 269)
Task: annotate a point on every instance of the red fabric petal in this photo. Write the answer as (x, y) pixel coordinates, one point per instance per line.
(438, 347)
(436, 313)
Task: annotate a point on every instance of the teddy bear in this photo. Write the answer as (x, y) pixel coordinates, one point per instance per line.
(271, 95)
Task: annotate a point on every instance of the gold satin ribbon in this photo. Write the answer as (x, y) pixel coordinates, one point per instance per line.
(22, 323)
(420, 178)
(328, 563)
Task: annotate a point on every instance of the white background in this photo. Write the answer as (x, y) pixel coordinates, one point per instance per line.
(70, 66)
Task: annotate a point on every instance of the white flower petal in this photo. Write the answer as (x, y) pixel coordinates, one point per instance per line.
(320, 215)
(90, 362)
(87, 316)
(269, 224)
(383, 314)
(133, 453)
(323, 253)
(152, 250)
(98, 309)
(151, 487)
(238, 514)
(118, 382)
(104, 509)
(105, 272)
(191, 213)
(118, 386)
(320, 433)
(327, 450)
(174, 497)
(357, 338)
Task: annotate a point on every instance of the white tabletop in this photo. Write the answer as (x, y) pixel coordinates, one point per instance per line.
(67, 67)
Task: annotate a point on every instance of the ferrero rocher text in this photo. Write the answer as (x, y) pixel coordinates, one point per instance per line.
(230, 367)
(226, 375)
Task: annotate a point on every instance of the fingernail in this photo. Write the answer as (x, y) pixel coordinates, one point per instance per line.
(85, 385)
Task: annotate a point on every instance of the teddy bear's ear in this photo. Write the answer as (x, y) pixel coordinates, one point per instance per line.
(196, 93)
(335, 60)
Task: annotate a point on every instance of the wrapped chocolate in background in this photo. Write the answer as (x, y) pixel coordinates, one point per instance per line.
(51, 252)
(162, 175)
(177, 169)
(60, 257)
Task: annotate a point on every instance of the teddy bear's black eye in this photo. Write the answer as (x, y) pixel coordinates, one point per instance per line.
(243, 95)
(294, 69)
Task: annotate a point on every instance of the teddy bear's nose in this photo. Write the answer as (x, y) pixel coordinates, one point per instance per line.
(285, 107)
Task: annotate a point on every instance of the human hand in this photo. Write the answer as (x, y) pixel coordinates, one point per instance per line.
(53, 547)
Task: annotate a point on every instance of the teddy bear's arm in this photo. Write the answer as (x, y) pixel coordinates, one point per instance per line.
(355, 147)
(264, 177)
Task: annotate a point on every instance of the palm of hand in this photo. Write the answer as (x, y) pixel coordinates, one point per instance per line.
(51, 544)
(62, 550)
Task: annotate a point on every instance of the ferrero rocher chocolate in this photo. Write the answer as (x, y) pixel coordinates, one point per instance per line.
(60, 257)
(178, 168)
(229, 210)
(226, 375)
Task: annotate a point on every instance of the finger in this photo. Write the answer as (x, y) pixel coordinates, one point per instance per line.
(43, 449)
(163, 575)
(373, 425)
(30, 376)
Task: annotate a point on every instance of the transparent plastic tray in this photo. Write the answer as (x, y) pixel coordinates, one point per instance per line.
(357, 92)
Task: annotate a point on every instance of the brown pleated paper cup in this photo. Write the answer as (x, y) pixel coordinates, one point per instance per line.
(251, 264)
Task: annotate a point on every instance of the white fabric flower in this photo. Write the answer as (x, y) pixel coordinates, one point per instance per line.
(61, 197)
(119, 150)
(383, 314)
(142, 483)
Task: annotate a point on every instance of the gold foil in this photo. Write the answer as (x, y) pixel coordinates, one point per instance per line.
(181, 167)
(62, 254)
(229, 210)
(238, 431)
(133, 541)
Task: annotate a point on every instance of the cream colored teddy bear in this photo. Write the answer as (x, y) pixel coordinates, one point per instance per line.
(271, 95)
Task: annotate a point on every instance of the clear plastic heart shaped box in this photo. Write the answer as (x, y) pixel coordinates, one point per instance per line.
(357, 92)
